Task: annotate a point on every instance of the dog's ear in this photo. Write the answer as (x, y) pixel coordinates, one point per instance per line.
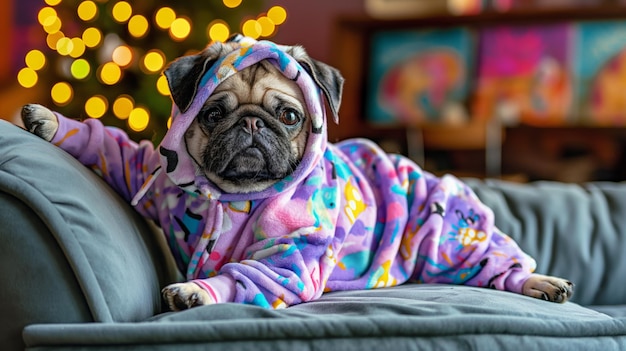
(184, 74)
(328, 78)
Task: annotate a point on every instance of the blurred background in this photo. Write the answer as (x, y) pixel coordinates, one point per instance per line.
(515, 89)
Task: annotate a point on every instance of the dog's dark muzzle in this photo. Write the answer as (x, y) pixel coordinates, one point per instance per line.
(250, 144)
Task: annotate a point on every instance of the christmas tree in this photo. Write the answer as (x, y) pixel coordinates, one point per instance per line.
(104, 58)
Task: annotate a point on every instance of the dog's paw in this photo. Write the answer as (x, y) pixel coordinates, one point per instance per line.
(40, 121)
(182, 296)
(548, 288)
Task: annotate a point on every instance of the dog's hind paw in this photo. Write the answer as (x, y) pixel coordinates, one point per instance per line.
(40, 121)
(182, 296)
(548, 288)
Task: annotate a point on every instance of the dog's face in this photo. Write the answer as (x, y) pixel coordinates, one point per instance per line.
(251, 132)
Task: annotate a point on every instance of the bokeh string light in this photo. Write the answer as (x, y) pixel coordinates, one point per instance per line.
(122, 11)
(90, 53)
(164, 17)
(80, 69)
(87, 10)
(61, 93)
(122, 106)
(96, 106)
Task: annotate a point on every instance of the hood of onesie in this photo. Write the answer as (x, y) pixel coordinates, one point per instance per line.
(236, 54)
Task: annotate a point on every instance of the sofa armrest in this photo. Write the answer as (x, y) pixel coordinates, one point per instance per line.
(71, 250)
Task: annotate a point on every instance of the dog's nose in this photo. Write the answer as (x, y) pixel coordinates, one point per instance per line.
(252, 124)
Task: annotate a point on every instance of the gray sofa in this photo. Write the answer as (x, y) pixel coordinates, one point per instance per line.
(81, 270)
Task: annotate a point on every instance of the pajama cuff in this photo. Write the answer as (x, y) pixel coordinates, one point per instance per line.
(67, 128)
(514, 281)
(221, 288)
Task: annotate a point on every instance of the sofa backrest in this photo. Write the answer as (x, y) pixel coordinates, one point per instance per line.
(574, 231)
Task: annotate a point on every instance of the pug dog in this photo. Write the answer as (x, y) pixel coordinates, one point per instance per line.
(259, 208)
(251, 132)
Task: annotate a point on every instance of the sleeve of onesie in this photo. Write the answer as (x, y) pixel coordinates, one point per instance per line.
(120, 161)
(288, 271)
(470, 250)
(288, 261)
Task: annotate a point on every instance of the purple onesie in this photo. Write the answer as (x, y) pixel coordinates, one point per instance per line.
(350, 216)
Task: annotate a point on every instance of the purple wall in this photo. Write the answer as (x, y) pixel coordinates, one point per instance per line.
(309, 23)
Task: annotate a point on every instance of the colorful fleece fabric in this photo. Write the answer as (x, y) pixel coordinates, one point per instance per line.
(350, 216)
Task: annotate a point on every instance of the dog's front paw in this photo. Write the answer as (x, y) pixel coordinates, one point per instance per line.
(548, 288)
(40, 121)
(182, 296)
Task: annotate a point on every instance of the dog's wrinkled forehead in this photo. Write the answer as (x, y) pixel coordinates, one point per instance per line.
(187, 74)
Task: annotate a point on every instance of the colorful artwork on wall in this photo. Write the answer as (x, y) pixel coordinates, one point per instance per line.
(600, 72)
(418, 76)
(557, 74)
(524, 74)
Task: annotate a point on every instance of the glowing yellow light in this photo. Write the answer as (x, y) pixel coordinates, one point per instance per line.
(122, 55)
(78, 48)
(267, 26)
(459, 7)
(138, 26)
(53, 2)
(27, 77)
(96, 106)
(122, 11)
(169, 122)
(61, 93)
(122, 106)
(110, 73)
(180, 29)
(35, 60)
(232, 3)
(138, 119)
(162, 86)
(218, 31)
(80, 69)
(251, 28)
(277, 14)
(53, 38)
(164, 17)
(65, 46)
(87, 10)
(154, 61)
(49, 21)
(92, 37)
(46, 13)
(52, 25)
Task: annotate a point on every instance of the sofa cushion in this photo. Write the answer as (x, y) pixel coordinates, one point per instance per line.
(71, 250)
(408, 317)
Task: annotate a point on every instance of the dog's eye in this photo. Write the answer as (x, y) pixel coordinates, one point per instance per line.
(211, 115)
(289, 117)
(214, 113)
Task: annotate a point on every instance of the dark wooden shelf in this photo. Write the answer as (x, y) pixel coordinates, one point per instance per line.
(488, 18)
